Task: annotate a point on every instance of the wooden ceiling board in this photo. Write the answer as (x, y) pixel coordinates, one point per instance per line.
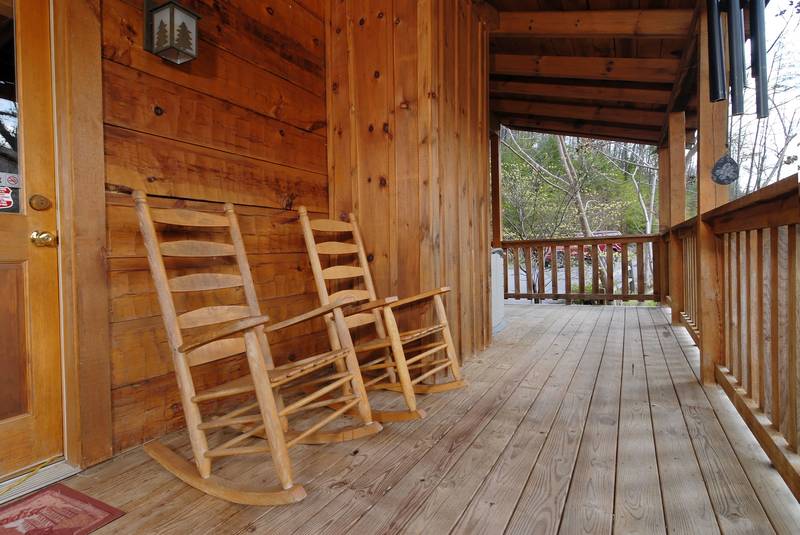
(559, 66)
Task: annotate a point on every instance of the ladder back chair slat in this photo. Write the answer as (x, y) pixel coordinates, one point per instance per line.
(197, 282)
(187, 218)
(196, 248)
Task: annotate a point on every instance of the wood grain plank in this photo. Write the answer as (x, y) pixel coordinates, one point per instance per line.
(590, 502)
(687, 507)
(638, 499)
(143, 103)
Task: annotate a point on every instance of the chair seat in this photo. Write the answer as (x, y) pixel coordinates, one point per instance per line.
(281, 374)
(286, 372)
(405, 337)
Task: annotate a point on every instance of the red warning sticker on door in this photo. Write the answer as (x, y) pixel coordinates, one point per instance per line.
(6, 198)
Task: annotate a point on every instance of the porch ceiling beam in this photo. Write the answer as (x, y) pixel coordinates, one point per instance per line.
(592, 68)
(618, 23)
(586, 113)
(584, 129)
(686, 80)
(582, 92)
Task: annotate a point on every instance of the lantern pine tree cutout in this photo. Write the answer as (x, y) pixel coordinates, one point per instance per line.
(183, 40)
(162, 37)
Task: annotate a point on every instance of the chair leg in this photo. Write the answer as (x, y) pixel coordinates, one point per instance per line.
(441, 315)
(269, 410)
(399, 359)
(336, 339)
(381, 330)
(197, 437)
(351, 363)
(265, 352)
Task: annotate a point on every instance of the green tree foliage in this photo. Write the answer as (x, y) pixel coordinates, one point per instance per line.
(539, 203)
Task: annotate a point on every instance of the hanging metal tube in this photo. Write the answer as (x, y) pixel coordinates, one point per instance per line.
(736, 48)
(716, 56)
(758, 47)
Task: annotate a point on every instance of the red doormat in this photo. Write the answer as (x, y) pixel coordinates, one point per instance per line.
(56, 510)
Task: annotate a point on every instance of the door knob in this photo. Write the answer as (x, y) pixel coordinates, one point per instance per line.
(44, 239)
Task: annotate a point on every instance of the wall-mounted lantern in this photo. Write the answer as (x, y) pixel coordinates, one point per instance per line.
(170, 31)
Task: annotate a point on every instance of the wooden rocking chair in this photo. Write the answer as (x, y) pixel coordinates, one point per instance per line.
(405, 360)
(212, 333)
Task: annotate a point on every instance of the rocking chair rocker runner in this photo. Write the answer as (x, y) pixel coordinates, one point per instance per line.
(406, 360)
(212, 333)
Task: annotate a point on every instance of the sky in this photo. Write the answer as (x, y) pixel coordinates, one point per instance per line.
(783, 24)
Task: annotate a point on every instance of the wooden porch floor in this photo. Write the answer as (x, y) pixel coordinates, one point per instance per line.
(577, 420)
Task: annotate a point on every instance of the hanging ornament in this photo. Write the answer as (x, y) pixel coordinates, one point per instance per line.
(725, 171)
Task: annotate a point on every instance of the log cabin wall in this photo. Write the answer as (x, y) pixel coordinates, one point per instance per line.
(244, 122)
(408, 149)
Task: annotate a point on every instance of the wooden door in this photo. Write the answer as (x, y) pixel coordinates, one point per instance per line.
(30, 360)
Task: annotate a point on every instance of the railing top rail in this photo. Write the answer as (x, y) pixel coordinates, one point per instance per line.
(787, 187)
(625, 238)
(773, 205)
(687, 225)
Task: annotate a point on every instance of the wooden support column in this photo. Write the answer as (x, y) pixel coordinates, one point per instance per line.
(677, 208)
(712, 122)
(664, 221)
(497, 205)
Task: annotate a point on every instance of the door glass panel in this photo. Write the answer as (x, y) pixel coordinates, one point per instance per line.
(10, 180)
(13, 354)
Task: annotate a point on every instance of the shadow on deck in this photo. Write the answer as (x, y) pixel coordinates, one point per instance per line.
(578, 419)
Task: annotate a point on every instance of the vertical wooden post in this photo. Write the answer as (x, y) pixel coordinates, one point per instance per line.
(677, 208)
(497, 207)
(712, 122)
(664, 221)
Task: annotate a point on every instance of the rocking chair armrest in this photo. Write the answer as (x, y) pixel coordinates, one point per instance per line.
(420, 297)
(220, 330)
(366, 307)
(319, 311)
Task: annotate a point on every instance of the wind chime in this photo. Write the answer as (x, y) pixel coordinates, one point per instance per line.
(726, 170)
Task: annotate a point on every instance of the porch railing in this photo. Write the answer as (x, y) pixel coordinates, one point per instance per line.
(606, 268)
(757, 248)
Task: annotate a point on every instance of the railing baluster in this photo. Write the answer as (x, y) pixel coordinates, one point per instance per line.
(625, 280)
(505, 271)
(567, 271)
(775, 414)
(727, 301)
(528, 272)
(595, 271)
(582, 268)
(656, 269)
(748, 267)
(609, 269)
(761, 345)
(554, 270)
(540, 255)
(516, 272)
(737, 314)
(640, 268)
(791, 339)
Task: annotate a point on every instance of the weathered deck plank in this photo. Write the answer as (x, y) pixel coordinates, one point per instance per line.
(638, 498)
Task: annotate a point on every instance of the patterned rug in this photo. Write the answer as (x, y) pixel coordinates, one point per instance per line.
(56, 510)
